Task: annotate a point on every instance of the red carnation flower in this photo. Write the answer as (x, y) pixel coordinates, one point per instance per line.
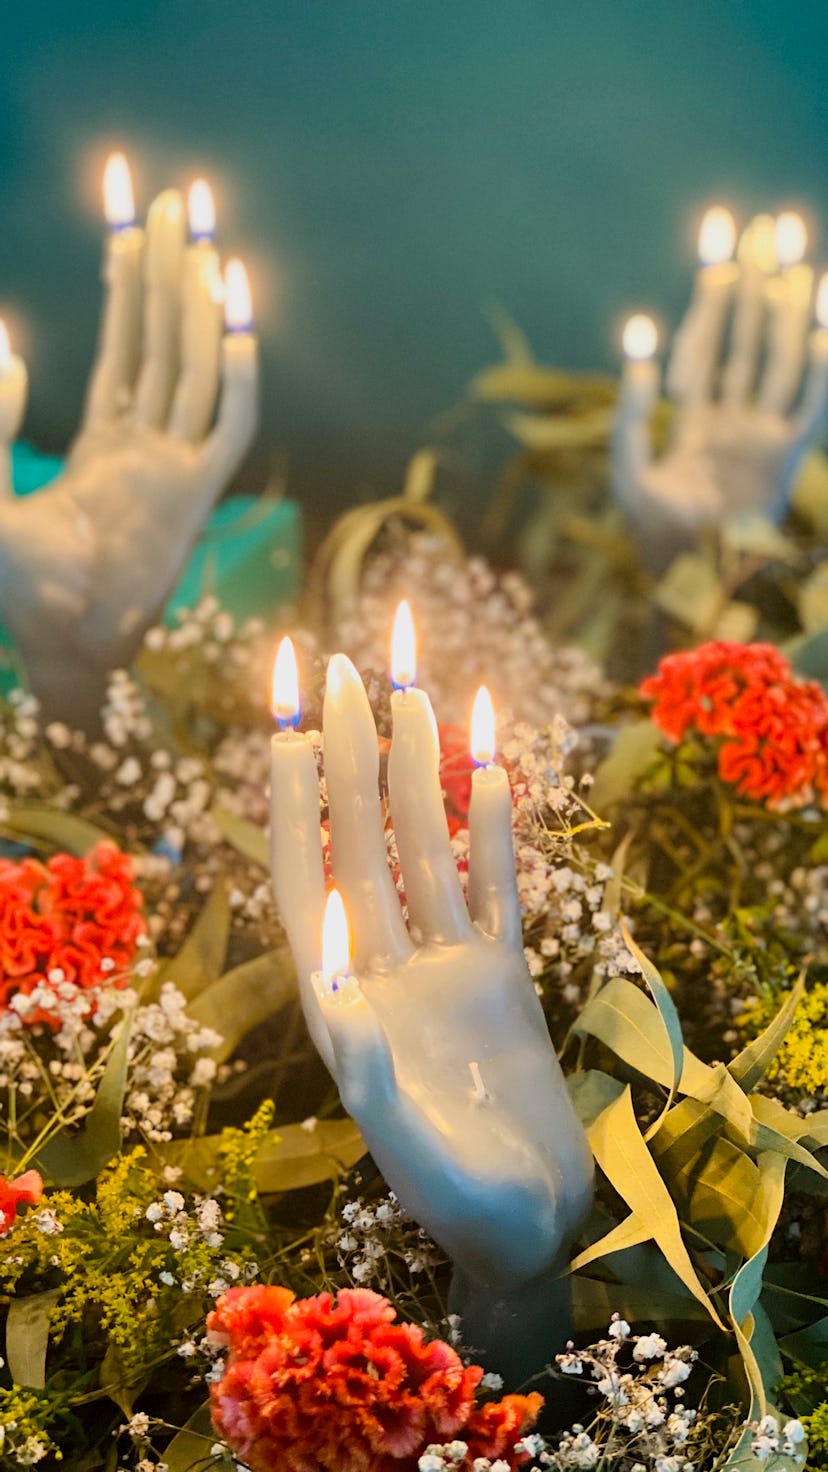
(773, 726)
(68, 914)
(27, 1189)
(329, 1384)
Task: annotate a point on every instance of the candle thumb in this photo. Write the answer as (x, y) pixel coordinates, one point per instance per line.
(363, 1065)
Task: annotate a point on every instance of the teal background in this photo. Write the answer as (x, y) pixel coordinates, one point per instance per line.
(390, 167)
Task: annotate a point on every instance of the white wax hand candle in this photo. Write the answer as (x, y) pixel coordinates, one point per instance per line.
(120, 330)
(14, 383)
(440, 1050)
(728, 456)
(695, 351)
(202, 295)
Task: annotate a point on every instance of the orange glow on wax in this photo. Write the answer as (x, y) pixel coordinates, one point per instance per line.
(201, 210)
(5, 347)
(403, 648)
(336, 939)
(483, 728)
(791, 238)
(238, 305)
(717, 236)
(119, 202)
(285, 698)
(640, 338)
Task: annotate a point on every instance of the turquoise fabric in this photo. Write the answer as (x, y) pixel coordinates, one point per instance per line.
(249, 556)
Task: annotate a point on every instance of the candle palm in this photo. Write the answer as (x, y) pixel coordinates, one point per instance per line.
(438, 1042)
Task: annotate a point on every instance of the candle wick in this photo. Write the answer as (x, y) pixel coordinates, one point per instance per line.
(479, 1091)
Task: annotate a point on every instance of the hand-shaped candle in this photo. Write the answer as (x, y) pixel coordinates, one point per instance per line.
(739, 437)
(434, 1033)
(87, 564)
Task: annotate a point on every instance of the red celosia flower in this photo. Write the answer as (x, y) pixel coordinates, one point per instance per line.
(774, 726)
(67, 914)
(456, 767)
(337, 1385)
(28, 1189)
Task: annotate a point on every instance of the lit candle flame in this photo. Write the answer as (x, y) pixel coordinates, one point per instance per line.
(238, 307)
(286, 705)
(640, 338)
(822, 301)
(5, 347)
(336, 940)
(403, 648)
(201, 210)
(791, 238)
(717, 236)
(119, 203)
(483, 729)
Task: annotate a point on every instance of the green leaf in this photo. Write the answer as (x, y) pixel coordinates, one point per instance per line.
(121, 1387)
(27, 1337)
(633, 753)
(629, 1233)
(530, 383)
(243, 998)
(752, 1063)
(752, 535)
(666, 1011)
(594, 1301)
(245, 837)
(201, 958)
(623, 1156)
(624, 1018)
(717, 1194)
(72, 1158)
(747, 1284)
(591, 1091)
(290, 1157)
(691, 592)
(63, 831)
(737, 621)
(513, 340)
(560, 431)
(808, 1346)
(190, 1446)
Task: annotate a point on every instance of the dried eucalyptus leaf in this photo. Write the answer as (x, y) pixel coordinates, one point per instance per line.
(27, 1337)
(243, 998)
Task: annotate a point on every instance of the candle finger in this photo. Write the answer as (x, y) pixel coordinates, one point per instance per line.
(756, 261)
(638, 394)
(357, 830)
(163, 260)
(493, 892)
(789, 321)
(436, 905)
(362, 1062)
(225, 447)
(115, 367)
(297, 873)
(201, 323)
